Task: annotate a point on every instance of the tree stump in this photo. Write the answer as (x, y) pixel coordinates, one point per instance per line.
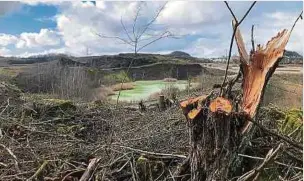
(217, 130)
(162, 103)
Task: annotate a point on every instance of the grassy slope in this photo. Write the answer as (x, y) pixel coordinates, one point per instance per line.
(285, 91)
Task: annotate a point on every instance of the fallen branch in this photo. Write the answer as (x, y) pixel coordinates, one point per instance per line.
(38, 171)
(90, 169)
(256, 172)
(153, 153)
(7, 105)
(260, 158)
(268, 131)
(13, 155)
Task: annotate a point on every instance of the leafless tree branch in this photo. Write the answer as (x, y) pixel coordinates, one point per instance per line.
(135, 19)
(164, 35)
(232, 38)
(152, 21)
(124, 27)
(252, 39)
(116, 37)
(299, 17)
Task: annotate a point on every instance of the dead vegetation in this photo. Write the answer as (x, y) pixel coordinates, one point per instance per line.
(125, 86)
(51, 139)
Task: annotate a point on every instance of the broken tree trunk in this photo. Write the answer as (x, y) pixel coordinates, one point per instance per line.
(257, 70)
(216, 126)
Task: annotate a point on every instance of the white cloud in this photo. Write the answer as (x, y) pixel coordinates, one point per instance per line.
(6, 39)
(270, 24)
(45, 52)
(4, 51)
(44, 2)
(45, 37)
(208, 47)
(178, 13)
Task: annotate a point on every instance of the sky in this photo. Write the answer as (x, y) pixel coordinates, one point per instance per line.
(200, 28)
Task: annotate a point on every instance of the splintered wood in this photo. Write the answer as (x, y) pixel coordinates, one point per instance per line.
(192, 107)
(257, 69)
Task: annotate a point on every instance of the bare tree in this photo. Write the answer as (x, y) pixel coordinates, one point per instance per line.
(139, 35)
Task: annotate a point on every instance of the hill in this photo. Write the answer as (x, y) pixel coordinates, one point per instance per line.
(292, 57)
(180, 54)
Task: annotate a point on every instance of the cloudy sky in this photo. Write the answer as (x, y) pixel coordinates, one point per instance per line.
(203, 28)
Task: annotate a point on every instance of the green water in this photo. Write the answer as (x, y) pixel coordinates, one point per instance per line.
(143, 89)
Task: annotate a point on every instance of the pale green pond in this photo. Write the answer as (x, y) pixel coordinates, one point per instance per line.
(143, 89)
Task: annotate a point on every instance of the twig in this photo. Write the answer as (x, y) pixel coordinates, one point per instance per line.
(153, 153)
(294, 24)
(268, 131)
(247, 12)
(13, 155)
(171, 174)
(260, 158)
(8, 103)
(232, 38)
(38, 171)
(71, 173)
(133, 171)
(256, 172)
(3, 164)
(252, 39)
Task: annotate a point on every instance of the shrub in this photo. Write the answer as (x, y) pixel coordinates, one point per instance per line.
(116, 78)
(124, 86)
(63, 81)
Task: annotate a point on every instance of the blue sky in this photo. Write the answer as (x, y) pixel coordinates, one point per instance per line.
(28, 19)
(204, 28)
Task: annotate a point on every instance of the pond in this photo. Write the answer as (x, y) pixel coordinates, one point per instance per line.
(143, 89)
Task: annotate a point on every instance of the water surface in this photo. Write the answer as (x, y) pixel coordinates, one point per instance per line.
(143, 89)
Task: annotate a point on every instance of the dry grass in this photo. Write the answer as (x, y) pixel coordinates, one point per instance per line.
(125, 86)
(102, 93)
(168, 92)
(285, 91)
(170, 80)
(206, 82)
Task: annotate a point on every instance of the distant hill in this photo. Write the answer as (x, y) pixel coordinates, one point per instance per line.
(124, 59)
(292, 57)
(180, 54)
(36, 59)
(109, 61)
(292, 54)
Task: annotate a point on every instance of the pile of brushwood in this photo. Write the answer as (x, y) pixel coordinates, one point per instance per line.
(50, 139)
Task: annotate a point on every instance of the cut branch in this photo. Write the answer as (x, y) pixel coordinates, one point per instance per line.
(153, 153)
(90, 169)
(254, 174)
